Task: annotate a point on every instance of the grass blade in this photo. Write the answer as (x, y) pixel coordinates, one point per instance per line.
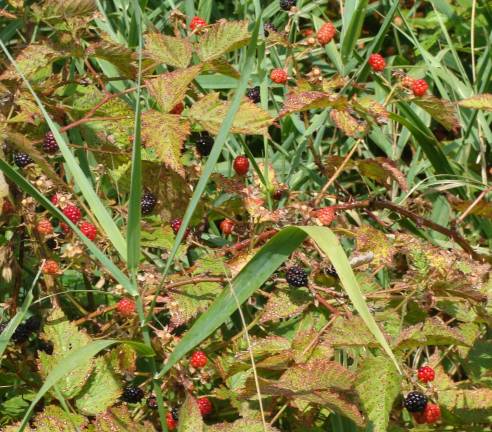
(354, 28)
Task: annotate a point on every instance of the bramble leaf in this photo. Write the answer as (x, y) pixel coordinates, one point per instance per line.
(221, 38)
(54, 419)
(283, 303)
(118, 55)
(378, 384)
(165, 133)
(241, 425)
(349, 332)
(304, 101)
(441, 110)
(118, 419)
(190, 418)
(348, 124)
(168, 50)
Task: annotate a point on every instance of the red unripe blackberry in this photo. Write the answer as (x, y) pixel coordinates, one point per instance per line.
(44, 227)
(205, 406)
(171, 422)
(7, 207)
(204, 143)
(326, 215)
(88, 230)
(415, 402)
(22, 159)
(54, 199)
(197, 22)
(287, 5)
(176, 225)
(178, 108)
(407, 81)
(132, 394)
(241, 165)
(326, 33)
(73, 213)
(419, 87)
(49, 143)
(432, 413)
(64, 227)
(148, 203)
(426, 374)
(377, 63)
(279, 76)
(226, 226)
(253, 94)
(296, 277)
(50, 267)
(126, 307)
(199, 359)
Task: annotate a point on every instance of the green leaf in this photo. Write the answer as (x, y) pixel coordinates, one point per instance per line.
(169, 89)
(479, 360)
(54, 419)
(241, 425)
(166, 134)
(210, 113)
(304, 101)
(352, 32)
(66, 339)
(118, 55)
(221, 38)
(350, 332)
(378, 384)
(479, 102)
(168, 50)
(101, 391)
(190, 418)
(441, 110)
(118, 419)
(468, 406)
(259, 269)
(285, 303)
(347, 124)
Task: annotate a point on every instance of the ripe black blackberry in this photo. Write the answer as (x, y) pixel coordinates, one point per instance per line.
(204, 143)
(415, 402)
(286, 5)
(148, 203)
(296, 276)
(253, 94)
(175, 413)
(45, 346)
(21, 333)
(269, 28)
(33, 324)
(49, 143)
(132, 394)
(22, 159)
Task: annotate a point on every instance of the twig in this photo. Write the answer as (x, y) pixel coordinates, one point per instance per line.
(245, 243)
(473, 205)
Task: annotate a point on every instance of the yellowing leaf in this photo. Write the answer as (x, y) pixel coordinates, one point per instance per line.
(285, 303)
(348, 333)
(348, 124)
(210, 113)
(373, 108)
(54, 419)
(480, 102)
(221, 66)
(168, 49)
(69, 8)
(221, 38)
(304, 101)
(169, 89)
(241, 425)
(381, 170)
(469, 406)
(166, 134)
(118, 420)
(190, 418)
(378, 384)
(118, 55)
(441, 110)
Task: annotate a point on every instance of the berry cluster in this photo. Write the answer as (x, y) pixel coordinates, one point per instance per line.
(197, 22)
(296, 277)
(279, 76)
(376, 62)
(199, 360)
(418, 404)
(326, 33)
(203, 142)
(148, 203)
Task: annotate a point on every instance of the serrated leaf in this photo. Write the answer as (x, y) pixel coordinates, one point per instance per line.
(479, 360)
(441, 110)
(432, 332)
(221, 38)
(283, 303)
(349, 332)
(165, 133)
(123, 359)
(66, 337)
(118, 55)
(378, 384)
(221, 66)
(161, 237)
(373, 108)
(372, 240)
(482, 208)
(168, 50)
(190, 418)
(304, 101)
(266, 346)
(30, 60)
(118, 420)
(101, 391)
(241, 425)
(347, 124)
(317, 375)
(54, 419)
(210, 113)
(70, 8)
(480, 102)
(169, 89)
(302, 344)
(469, 406)
(382, 170)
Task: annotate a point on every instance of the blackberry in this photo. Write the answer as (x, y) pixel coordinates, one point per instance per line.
(51, 243)
(253, 94)
(33, 324)
(152, 402)
(22, 159)
(204, 143)
(175, 413)
(21, 333)
(296, 276)
(132, 394)
(49, 143)
(286, 5)
(45, 346)
(269, 28)
(148, 203)
(415, 402)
